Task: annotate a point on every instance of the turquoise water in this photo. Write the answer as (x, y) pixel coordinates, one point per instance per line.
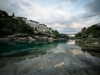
(42, 58)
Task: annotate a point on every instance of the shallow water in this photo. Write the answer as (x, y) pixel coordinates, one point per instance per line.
(57, 58)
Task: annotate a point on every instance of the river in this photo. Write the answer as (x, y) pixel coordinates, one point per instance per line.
(42, 58)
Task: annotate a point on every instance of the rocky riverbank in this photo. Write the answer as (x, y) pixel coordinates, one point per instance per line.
(20, 29)
(24, 37)
(93, 49)
(21, 37)
(94, 41)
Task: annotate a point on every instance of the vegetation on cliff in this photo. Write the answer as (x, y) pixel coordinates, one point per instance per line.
(10, 25)
(90, 34)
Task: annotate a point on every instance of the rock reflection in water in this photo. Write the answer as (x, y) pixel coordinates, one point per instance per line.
(61, 59)
(26, 51)
(94, 50)
(70, 42)
(59, 64)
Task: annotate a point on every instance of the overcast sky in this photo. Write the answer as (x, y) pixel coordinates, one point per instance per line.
(66, 16)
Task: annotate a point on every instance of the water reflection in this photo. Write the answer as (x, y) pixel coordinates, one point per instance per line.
(76, 52)
(59, 64)
(18, 49)
(60, 58)
(70, 42)
(94, 50)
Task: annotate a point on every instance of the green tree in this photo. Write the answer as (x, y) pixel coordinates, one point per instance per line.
(84, 32)
(56, 34)
(6, 31)
(78, 35)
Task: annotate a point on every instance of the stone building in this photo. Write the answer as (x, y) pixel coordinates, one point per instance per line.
(42, 28)
(33, 24)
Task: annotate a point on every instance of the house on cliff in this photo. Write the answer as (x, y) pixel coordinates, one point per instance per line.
(41, 28)
(33, 24)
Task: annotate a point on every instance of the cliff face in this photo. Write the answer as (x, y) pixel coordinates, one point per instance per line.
(19, 28)
(11, 24)
(39, 27)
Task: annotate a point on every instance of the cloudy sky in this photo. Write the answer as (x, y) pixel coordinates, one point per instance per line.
(66, 16)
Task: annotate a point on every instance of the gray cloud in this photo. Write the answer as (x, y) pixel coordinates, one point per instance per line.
(57, 17)
(70, 30)
(26, 4)
(72, 1)
(92, 8)
(6, 5)
(10, 7)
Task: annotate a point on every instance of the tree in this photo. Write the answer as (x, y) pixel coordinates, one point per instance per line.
(4, 13)
(78, 35)
(13, 15)
(84, 32)
(56, 34)
(6, 31)
(92, 31)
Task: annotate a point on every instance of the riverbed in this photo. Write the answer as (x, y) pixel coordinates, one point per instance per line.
(44, 58)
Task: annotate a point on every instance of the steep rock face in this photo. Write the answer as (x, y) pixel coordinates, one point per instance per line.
(39, 28)
(18, 37)
(14, 28)
(11, 25)
(25, 37)
(43, 38)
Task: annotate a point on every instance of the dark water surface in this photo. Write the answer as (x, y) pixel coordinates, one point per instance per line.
(57, 58)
